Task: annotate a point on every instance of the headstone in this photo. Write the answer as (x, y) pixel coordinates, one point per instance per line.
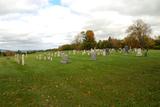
(22, 59)
(65, 59)
(55, 55)
(58, 54)
(104, 52)
(51, 59)
(74, 52)
(84, 52)
(18, 59)
(126, 49)
(107, 51)
(48, 57)
(15, 57)
(120, 50)
(88, 53)
(40, 57)
(93, 54)
(139, 52)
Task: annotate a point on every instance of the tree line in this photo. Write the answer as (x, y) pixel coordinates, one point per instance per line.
(138, 36)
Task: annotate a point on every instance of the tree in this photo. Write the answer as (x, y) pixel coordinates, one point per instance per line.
(139, 31)
(157, 43)
(9, 53)
(89, 40)
(131, 41)
(116, 43)
(79, 38)
(110, 42)
(78, 41)
(90, 35)
(102, 44)
(99, 44)
(67, 47)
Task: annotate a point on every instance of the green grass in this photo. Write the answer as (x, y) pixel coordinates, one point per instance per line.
(116, 80)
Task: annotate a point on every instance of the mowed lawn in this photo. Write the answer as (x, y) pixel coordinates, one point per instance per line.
(116, 80)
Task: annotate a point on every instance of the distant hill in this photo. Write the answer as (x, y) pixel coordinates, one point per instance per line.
(3, 50)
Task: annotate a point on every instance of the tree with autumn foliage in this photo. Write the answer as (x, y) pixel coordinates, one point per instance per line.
(131, 41)
(114, 43)
(89, 40)
(138, 35)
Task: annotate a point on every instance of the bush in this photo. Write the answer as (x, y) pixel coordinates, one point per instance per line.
(9, 53)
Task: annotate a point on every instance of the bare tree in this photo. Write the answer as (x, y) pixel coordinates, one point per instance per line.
(139, 30)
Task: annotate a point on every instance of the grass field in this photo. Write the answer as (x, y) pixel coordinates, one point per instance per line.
(113, 81)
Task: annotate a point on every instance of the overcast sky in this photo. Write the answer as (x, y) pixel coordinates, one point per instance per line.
(42, 24)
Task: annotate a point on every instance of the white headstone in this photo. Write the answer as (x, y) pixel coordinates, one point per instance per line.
(18, 59)
(139, 52)
(104, 52)
(48, 57)
(74, 52)
(58, 54)
(22, 59)
(65, 59)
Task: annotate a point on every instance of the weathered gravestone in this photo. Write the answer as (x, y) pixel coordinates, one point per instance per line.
(18, 58)
(84, 52)
(107, 51)
(65, 58)
(40, 57)
(139, 52)
(51, 59)
(104, 52)
(126, 48)
(88, 53)
(58, 54)
(74, 52)
(22, 59)
(93, 54)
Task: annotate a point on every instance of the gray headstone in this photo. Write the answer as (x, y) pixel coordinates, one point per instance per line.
(93, 55)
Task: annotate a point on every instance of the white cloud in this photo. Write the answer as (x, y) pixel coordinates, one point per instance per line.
(38, 24)
(22, 6)
(50, 25)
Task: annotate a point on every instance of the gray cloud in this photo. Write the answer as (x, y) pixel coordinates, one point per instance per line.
(22, 41)
(132, 7)
(142, 7)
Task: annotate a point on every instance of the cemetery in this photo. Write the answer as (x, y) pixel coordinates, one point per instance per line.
(79, 53)
(88, 73)
(81, 78)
